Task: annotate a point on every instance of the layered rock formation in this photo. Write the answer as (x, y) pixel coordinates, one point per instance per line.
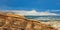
(9, 21)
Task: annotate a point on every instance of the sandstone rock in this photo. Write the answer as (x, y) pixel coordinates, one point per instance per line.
(11, 21)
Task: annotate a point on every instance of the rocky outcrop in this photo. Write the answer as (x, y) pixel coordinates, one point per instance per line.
(55, 24)
(9, 21)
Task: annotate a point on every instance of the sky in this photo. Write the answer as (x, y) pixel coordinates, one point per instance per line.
(52, 6)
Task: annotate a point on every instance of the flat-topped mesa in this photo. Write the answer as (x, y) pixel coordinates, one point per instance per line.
(10, 21)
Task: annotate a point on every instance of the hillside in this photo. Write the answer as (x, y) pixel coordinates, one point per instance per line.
(10, 21)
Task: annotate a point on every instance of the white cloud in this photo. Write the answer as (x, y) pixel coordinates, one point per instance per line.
(33, 12)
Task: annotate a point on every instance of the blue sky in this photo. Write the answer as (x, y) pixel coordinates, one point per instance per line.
(39, 5)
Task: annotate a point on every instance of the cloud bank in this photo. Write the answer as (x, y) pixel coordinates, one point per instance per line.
(32, 13)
